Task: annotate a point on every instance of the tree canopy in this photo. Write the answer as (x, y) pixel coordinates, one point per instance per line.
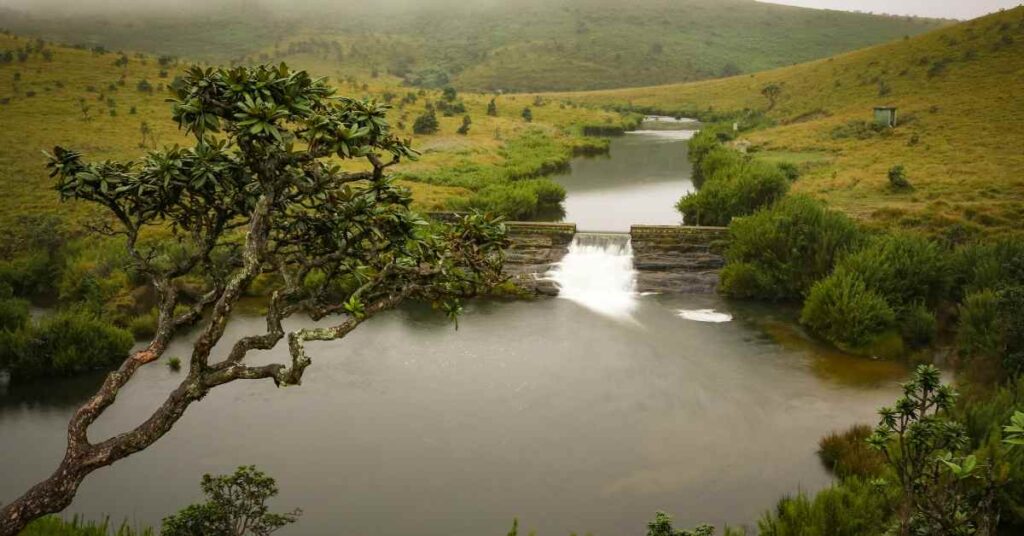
(261, 194)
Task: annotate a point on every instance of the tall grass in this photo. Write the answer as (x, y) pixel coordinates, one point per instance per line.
(56, 526)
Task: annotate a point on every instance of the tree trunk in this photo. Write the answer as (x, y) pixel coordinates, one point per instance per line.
(47, 497)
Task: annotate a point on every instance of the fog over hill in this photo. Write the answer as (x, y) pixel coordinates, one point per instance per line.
(517, 45)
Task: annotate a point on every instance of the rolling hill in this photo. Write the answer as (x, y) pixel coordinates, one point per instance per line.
(113, 106)
(515, 45)
(960, 135)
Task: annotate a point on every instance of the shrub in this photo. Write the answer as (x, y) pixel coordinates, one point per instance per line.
(516, 200)
(744, 280)
(843, 310)
(790, 170)
(174, 364)
(988, 265)
(143, 326)
(898, 178)
(717, 160)
(979, 333)
(527, 115)
(95, 274)
(464, 128)
(425, 123)
(63, 344)
(734, 192)
(902, 268)
(853, 508)
(918, 326)
(848, 454)
(13, 314)
(786, 248)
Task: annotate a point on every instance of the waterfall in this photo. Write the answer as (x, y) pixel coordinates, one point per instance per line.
(598, 274)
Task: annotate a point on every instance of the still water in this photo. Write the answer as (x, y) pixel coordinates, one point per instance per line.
(581, 414)
(566, 418)
(638, 182)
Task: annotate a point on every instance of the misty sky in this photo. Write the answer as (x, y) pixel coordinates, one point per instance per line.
(949, 9)
(953, 9)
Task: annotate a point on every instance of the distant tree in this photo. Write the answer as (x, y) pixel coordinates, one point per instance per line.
(144, 86)
(236, 505)
(449, 94)
(771, 92)
(492, 108)
(260, 192)
(466, 122)
(527, 115)
(121, 61)
(426, 123)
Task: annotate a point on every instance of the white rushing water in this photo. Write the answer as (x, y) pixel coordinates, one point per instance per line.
(598, 274)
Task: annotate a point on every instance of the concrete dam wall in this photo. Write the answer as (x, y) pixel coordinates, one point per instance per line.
(667, 258)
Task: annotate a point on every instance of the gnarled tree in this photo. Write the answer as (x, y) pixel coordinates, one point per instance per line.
(261, 194)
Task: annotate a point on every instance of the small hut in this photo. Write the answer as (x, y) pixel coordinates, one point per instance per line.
(885, 116)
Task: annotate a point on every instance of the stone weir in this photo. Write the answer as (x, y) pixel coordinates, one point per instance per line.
(668, 258)
(675, 258)
(535, 247)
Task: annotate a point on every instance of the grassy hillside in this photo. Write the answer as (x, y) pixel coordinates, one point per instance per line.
(98, 102)
(515, 45)
(960, 137)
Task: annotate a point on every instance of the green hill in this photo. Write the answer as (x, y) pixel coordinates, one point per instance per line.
(960, 134)
(513, 45)
(113, 106)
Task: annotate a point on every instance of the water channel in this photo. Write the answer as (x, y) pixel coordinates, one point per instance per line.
(573, 415)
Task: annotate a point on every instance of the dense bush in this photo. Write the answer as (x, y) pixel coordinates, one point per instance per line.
(842, 309)
(918, 325)
(719, 159)
(517, 200)
(988, 265)
(779, 252)
(13, 313)
(96, 274)
(737, 190)
(979, 333)
(848, 454)
(425, 123)
(984, 410)
(65, 343)
(902, 268)
(854, 508)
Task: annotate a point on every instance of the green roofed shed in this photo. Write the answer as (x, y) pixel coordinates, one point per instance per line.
(885, 116)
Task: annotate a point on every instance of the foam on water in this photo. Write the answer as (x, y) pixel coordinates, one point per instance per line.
(704, 315)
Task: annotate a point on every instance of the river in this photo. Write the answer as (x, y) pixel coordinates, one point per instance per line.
(638, 182)
(573, 415)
